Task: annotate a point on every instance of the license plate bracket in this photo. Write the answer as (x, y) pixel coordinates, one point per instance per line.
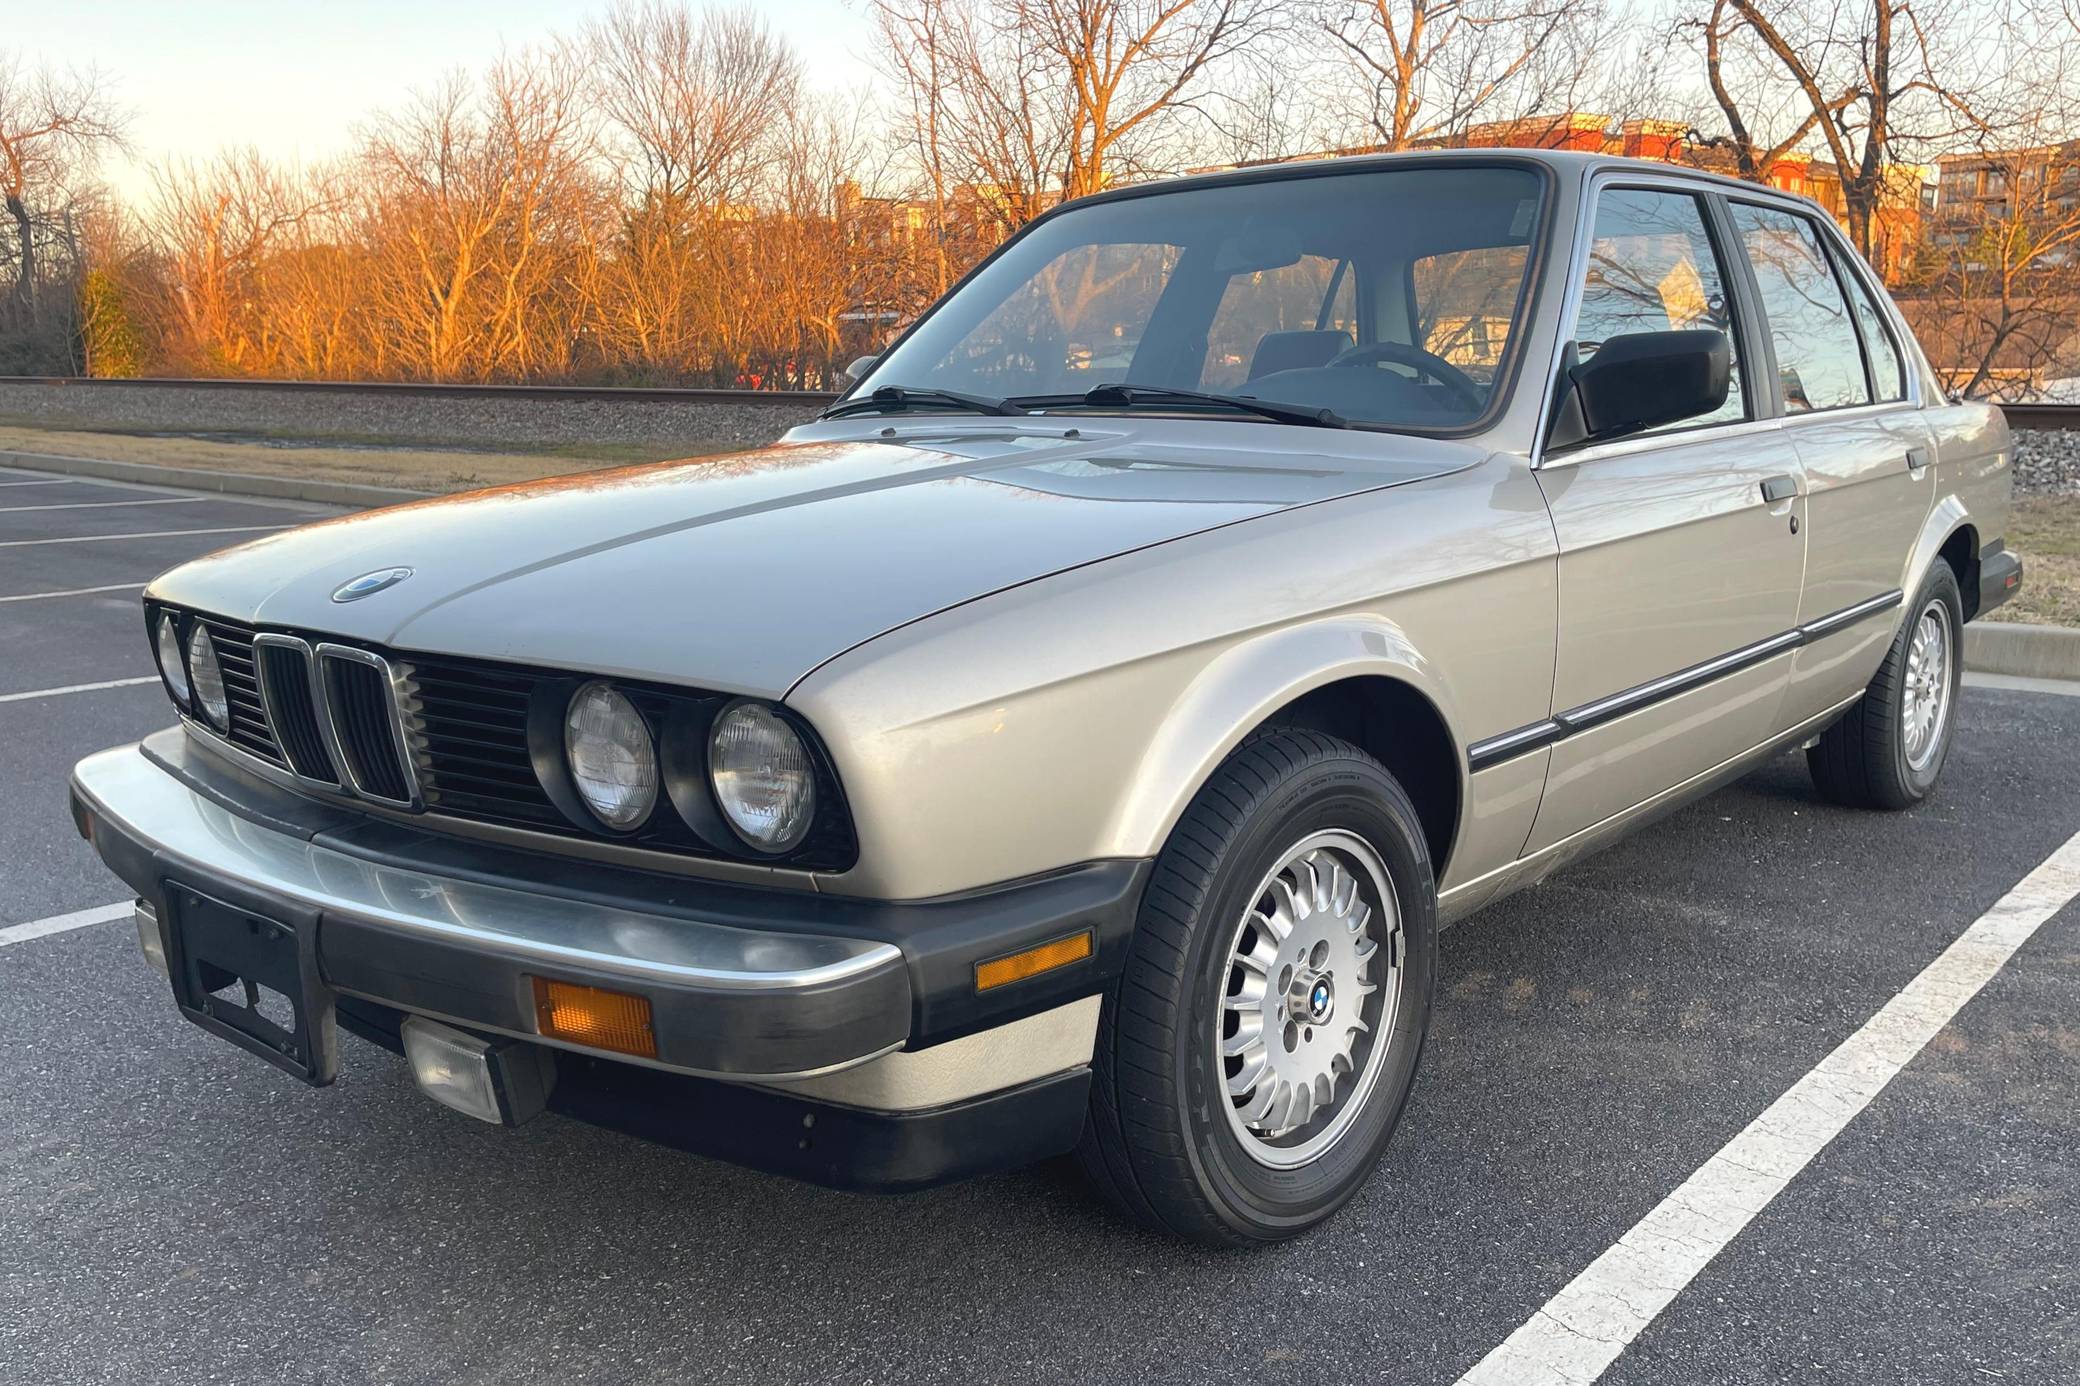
(252, 980)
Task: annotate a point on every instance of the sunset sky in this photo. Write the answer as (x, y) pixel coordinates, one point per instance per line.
(293, 76)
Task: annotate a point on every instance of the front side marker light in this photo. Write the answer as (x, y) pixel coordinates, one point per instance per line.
(594, 1017)
(1031, 962)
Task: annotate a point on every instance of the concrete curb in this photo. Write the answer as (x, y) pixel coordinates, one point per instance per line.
(203, 479)
(2024, 651)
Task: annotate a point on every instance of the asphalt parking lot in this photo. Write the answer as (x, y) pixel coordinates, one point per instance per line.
(171, 1209)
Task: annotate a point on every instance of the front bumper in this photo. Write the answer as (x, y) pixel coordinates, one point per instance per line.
(745, 985)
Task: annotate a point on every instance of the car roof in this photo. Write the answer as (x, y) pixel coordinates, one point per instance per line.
(1562, 162)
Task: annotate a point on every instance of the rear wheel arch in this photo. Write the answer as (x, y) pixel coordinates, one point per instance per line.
(1961, 552)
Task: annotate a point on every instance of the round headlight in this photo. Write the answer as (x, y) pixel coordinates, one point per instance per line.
(763, 777)
(168, 646)
(613, 763)
(209, 679)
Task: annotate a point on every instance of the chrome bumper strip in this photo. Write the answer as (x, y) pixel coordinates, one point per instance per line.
(799, 1002)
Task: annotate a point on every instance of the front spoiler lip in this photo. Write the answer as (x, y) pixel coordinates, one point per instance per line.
(727, 1001)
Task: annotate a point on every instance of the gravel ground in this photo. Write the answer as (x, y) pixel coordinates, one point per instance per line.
(2047, 462)
(467, 421)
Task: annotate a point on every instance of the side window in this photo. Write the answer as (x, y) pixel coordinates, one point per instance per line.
(1651, 269)
(1878, 346)
(1280, 319)
(1819, 364)
(1464, 300)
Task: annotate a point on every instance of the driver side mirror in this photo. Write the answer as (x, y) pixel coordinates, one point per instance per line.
(1641, 380)
(857, 371)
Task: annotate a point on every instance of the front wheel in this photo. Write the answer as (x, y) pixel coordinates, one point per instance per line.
(1888, 749)
(1258, 1048)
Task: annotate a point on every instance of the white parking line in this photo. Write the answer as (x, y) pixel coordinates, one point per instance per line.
(105, 505)
(73, 592)
(62, 923)
(76, 688)
(46, 481)
(1578, 1334)
(154, 534)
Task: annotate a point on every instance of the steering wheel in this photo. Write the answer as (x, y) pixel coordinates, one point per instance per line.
(1415, 358)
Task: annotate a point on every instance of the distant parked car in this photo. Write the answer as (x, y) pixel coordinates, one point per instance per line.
(1013, 762)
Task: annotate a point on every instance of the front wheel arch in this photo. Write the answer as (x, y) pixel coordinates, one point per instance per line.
(1355, 670)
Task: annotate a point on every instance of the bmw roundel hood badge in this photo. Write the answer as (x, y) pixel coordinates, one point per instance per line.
(368, 584)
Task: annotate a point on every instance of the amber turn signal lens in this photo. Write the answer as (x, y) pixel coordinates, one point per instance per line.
(594, 1018)
(1046, 957)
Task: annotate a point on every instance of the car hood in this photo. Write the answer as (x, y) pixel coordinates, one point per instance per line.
(743, 573)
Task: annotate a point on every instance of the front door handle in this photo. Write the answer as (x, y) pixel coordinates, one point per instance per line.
(1917, 461)
(1779, 488)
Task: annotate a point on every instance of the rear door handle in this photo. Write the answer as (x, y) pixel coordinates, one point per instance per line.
(1779, 488)
(1917, 460)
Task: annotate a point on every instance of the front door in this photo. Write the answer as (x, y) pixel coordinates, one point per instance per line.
(1682, 553)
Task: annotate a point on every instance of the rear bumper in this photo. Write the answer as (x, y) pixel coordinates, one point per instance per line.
(768, 1007)
(2000, 577)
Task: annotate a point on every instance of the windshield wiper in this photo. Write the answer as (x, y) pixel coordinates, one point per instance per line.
(891, 399)
(1127, 396)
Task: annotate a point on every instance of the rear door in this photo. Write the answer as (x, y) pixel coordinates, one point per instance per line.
(1681, 552)
(1844, 391)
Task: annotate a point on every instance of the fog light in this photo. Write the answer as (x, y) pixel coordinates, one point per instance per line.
(452, 1068)
(593, 1017)
(149, 941)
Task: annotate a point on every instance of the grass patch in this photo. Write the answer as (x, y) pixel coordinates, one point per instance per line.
(414, 468)
(618, 454)
(2045, 531)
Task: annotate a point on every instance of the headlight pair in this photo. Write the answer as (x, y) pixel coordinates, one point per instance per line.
(198, 682)
(758, 767)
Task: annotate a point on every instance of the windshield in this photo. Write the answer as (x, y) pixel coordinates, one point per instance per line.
(1388, 296)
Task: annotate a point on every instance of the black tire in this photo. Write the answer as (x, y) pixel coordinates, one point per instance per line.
(1156, 1144)
(1862, 760)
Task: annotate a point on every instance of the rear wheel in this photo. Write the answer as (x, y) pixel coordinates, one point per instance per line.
(1888, 750)
(1259, 1045)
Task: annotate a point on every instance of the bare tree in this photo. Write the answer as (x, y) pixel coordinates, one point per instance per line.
(1998, 302)
(218, 226)
(1422, 70)
(1131, 66)
(1875, 82)
(1025, 102)
(694, 100)
(53, 127)
(481, 194)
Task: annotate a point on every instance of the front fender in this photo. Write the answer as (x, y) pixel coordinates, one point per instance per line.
(1236, 692)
